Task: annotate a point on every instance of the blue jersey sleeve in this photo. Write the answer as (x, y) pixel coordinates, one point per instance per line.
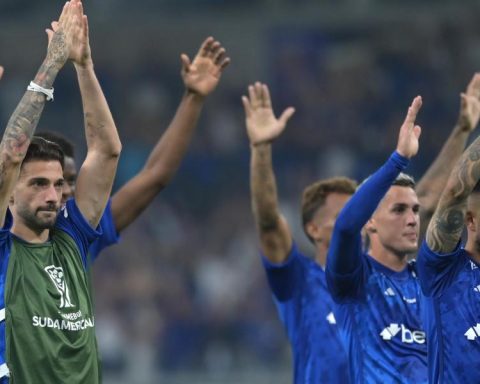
(71, 221)
(284, 278)
(345, 261)
(437, 272)
(109, 234)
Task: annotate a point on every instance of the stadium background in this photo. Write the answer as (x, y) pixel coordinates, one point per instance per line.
(183, 298)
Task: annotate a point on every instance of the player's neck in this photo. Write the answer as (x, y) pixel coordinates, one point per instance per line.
(388, 258)
(29, 235)
(473, 248)
(321, 256)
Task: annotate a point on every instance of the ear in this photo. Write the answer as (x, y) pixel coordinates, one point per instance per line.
(471, 221)
(371, 227)
(312, 229)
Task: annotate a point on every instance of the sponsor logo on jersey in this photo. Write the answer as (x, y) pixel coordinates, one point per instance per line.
(473, 332)
(406, 335)
(413, 300)
(331, 318)
(389, 292)
(58, 277)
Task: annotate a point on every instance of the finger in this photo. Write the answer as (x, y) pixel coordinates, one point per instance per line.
(413, 110)
(252, 96)
(417, 130)
(258, 92)
(286, 115)
(218, 55)
(185, 62)
(86, 30)
(463, 101)
(205, 47)
(473, 88)
(224, 64)
(64, 12)
(246, 106)
(1, 71)
(213, 49)
(54, 25)
(50, 34)
(266, 101)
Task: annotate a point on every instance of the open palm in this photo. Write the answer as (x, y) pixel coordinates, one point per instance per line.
(202, 75)
(262, 125)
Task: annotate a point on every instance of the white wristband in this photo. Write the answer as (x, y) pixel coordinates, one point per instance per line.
(37, 88)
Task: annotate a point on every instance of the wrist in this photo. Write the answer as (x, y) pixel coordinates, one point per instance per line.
(85, 66)
(195, 96)
(261, 144)
(463, 125)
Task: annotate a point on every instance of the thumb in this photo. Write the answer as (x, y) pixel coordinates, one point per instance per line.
(185, 62)
(417, 130)
(1, 72)
(286, 115)
(49, 35)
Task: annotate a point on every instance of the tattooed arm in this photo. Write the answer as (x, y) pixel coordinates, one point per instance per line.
(430, 186)
(97, 172)
(22, 123)
(446, 226)
(262, 129)
(200, 77)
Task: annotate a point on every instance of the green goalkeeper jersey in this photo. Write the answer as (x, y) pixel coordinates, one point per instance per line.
(49, 321)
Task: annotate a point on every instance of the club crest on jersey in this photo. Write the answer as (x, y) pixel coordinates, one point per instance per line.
(58, 277)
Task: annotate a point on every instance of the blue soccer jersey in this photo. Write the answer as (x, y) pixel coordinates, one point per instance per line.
(451, 283)
(109, 234)
(378, 310)
(306, 310)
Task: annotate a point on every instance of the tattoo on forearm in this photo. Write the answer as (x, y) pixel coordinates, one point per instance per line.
(447, 224)
(264, 190)
(446, 228)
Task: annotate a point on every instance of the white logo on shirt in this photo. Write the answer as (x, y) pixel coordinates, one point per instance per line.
(408, 336)
(389, 292)
(473, 265)
(58, 277)
(473, 332)
(331, 318)
(65, 212)
(409, 301)
(477, 289)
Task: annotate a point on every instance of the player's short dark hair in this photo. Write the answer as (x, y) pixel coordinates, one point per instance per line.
(315, 195)
(44, 150)
(404, 180)
(66, 145)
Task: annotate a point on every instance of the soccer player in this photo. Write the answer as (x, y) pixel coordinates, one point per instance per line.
(200, 77)
(377, 295)
(297, 298)
(297, 282)
(449, 273)
(47, 327)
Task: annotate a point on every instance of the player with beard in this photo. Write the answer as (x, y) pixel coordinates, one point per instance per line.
(46, 311)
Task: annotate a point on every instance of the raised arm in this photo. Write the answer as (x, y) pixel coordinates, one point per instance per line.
(262, 128)
(430, 186)
(24, 120)
(446, 226)
(345, 251)
(96, 175)
(200, 78)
